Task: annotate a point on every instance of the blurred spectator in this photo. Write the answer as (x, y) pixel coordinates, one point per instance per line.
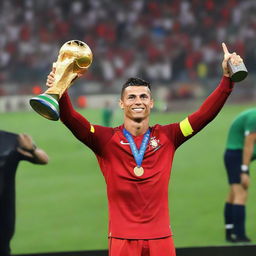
(159, 40)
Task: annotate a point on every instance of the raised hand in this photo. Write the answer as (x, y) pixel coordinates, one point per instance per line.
(232, 57)
(51, 77)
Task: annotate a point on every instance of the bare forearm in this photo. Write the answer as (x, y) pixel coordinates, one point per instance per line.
(247, 156)
(40, 156)
(37, 155)
(248, 151)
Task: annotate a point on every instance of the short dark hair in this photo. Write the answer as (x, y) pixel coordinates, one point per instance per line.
(135, 81)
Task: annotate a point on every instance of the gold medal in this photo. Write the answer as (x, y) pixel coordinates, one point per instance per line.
(138, 171)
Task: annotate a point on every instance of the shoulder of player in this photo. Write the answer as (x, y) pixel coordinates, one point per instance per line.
(164, 126)
(166, 129)
(101, 130)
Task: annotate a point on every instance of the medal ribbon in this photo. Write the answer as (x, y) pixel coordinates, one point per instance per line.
(137, 154)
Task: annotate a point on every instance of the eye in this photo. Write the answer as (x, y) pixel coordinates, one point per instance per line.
(144, 96)
(131, 97)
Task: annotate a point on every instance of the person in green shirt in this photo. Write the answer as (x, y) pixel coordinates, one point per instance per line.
(240, 151)
(107, 114)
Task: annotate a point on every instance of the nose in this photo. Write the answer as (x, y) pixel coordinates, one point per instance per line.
(137, 100)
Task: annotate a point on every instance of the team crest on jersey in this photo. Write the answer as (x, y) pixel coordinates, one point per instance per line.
(154, 143)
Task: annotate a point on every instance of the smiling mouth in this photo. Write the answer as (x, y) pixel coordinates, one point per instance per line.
(137, 110)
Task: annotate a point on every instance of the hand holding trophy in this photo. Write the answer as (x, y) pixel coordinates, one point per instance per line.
(233, 65)
(74, 57)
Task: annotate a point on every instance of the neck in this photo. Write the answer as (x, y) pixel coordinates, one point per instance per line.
(136, 128)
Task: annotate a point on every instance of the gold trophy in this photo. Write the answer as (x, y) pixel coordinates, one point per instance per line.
(74, 57)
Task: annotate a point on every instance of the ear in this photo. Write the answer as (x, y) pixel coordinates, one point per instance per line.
(121, 104)
(152, 103)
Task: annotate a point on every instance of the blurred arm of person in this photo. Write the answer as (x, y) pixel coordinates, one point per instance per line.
(28, 148)
(248, 149)
(15, 148)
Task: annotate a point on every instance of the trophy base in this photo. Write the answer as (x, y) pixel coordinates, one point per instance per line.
(239, 76)
(46, 105)
(237, 72)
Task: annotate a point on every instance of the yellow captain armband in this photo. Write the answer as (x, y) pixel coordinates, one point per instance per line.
(92, 130)
(186, 128)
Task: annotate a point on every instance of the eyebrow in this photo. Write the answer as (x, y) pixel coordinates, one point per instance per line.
(149, 93)
(142, 94)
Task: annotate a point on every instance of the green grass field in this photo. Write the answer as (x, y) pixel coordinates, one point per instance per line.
(63, 206)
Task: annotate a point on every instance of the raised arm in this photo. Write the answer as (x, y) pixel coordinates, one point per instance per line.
(78, 125)
(91, 135)
(68, 115)
(213, 104)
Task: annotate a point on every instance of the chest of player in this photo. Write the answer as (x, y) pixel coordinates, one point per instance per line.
(119, 159)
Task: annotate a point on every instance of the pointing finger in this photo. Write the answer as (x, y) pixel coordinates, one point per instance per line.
(54, 67)
(225, 49)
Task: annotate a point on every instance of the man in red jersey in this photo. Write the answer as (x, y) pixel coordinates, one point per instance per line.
(136, 162)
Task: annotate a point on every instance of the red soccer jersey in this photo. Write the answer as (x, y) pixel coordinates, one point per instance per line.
(138, 206)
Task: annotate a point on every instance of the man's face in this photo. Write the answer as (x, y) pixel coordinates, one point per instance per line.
(136, 102)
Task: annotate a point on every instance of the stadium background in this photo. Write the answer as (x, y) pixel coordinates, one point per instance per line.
(174, 44)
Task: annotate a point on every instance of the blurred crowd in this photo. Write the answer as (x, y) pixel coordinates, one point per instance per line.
(162, 41)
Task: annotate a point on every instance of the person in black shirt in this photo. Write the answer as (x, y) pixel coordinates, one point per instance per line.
(13, 149)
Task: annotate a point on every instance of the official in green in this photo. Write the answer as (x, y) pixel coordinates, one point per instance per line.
(107, 114)
(240, 152)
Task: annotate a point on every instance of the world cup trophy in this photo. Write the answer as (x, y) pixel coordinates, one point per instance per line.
(74, 57)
